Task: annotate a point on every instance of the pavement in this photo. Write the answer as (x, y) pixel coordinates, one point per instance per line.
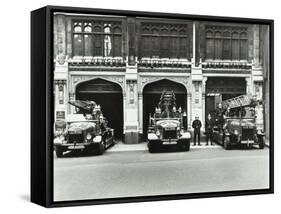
(122, 147)
(130, 170)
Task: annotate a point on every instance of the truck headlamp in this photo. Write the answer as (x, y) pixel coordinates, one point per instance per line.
(158, 133)
(58, 140)
(97, 139)
(88, 136)
(236, 132)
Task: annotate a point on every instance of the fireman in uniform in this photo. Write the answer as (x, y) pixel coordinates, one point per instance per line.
(220, 117)
(209, 129)
(196, 125)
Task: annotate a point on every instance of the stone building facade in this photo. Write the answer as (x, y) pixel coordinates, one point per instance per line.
(124, 63)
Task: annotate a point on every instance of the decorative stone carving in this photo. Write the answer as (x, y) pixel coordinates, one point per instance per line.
(71, 96)
(61, 59)
(60, 82)
(146, 80)
(77, 79)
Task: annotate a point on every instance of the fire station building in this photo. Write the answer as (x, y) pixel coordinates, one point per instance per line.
(124, 64)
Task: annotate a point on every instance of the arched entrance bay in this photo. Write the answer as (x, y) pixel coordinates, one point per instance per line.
(151, 96)
(222, 88)
(109, 96)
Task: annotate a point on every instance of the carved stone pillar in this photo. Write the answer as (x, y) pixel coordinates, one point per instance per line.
(60, 88)
(256, 44)
(140, 104)
(71, 99)
(131, 41)
(189, 110)
(204, 100)
(249, 85)
(124, 112)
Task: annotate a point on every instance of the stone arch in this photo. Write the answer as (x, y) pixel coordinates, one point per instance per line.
(109, 95)
(77, 80)
(151, 93)
(149, 80)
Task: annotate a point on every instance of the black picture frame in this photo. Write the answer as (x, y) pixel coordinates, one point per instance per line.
(42, 105)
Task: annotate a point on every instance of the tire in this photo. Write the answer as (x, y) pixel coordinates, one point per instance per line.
(186, 146)
(101, 149)
(261, 143)
(151, 148)
(59, 152)
(226, 143)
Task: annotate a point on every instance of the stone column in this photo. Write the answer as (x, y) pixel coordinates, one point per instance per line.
(60, 34)
(194, 43)
(203, 101)
(60, 99)
(140, 104)
(189, 111)
(249, 86)
(56, 92)
(124, 112)
(256, 44)
(71, 99)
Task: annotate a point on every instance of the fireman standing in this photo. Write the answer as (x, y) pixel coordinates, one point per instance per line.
(209, 129)
(196, 125)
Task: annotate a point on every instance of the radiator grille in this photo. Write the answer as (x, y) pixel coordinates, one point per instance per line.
(170, 134)
(247, 134)
(75, 138)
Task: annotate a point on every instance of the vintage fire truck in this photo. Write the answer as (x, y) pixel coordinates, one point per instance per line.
(85, 131)
(166, 125)
(235, 123)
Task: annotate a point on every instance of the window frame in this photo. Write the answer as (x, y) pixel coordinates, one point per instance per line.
(210, 36)
(147, 37)
(112, 34)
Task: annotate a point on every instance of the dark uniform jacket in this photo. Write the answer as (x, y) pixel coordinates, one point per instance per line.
(209, 125)
(196, 125)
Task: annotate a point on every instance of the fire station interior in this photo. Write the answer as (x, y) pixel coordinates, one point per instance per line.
(151, 97)
(109, 96)
(222, 88)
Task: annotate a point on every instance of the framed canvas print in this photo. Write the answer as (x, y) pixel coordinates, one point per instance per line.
(132, 106)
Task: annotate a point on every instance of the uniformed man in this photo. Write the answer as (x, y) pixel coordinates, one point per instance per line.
(196, 125)
(209, 129)
(220, 117)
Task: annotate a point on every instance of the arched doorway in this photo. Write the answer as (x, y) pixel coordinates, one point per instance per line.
(151, 96)
(109, 96)
(222, 88)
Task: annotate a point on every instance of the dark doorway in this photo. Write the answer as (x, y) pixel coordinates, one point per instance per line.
(222, 88)
(109, 96)
(151, 97)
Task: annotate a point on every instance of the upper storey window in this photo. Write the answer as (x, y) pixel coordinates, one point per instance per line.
(97, 38)
(163, 40)
(226, 43)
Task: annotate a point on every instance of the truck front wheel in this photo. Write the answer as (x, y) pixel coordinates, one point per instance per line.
(261, 143)
(226, 143)
(59, 152)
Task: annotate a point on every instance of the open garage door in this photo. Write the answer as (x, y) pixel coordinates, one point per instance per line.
(222, 88)
(109, 96)
(151, 96)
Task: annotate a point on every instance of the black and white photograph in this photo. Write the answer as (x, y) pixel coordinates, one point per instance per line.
(147, 106)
